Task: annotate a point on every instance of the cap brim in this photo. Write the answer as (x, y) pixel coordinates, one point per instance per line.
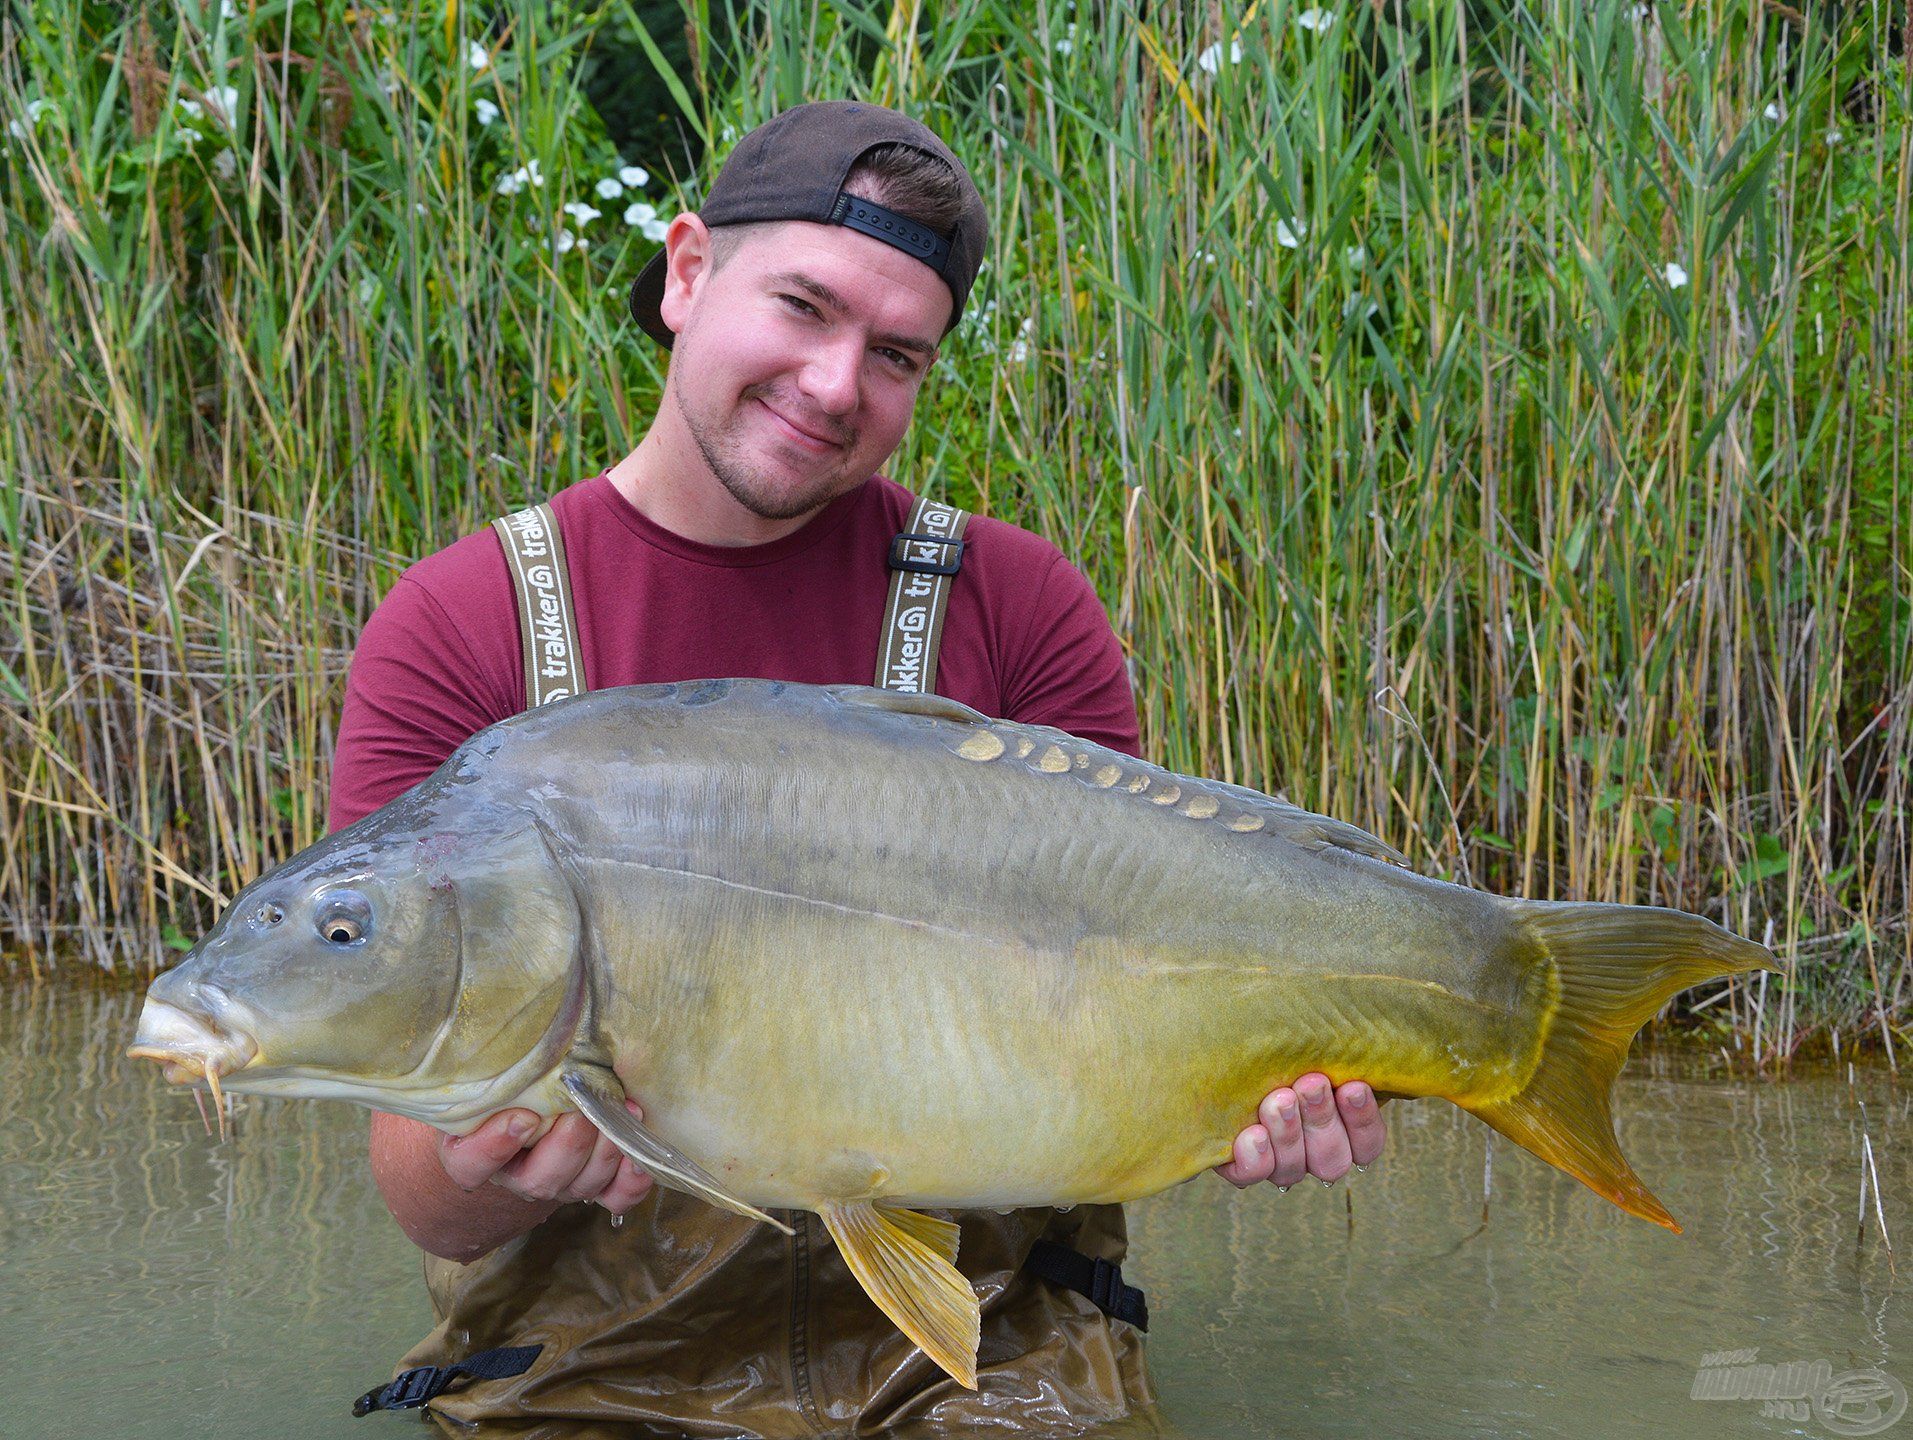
(647, 295)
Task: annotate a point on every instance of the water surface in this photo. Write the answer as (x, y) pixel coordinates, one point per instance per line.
(156, 1283)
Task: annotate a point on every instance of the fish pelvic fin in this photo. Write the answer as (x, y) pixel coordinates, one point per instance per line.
(1614, 967)
(905, 1260)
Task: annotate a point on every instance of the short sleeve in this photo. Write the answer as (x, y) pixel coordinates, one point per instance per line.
(1069, 671)
(414, 694)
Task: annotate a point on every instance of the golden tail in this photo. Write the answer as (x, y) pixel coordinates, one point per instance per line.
(1615, 966)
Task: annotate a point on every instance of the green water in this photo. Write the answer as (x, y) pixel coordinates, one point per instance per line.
(156, 1283)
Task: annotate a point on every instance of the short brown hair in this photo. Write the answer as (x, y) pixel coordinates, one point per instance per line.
(912, 182)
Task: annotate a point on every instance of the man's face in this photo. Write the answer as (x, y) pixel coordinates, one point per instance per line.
(797, 365)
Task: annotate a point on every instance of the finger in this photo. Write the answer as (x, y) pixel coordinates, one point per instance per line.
(1253, 1159)
(1281, 1118)
(1322, 1132)
(599, 1171)
(630, 1185)
(548, 1169)
(1362, 1118)
(471, 1160)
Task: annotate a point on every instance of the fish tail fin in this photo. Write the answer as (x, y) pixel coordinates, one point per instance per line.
(1614, 967)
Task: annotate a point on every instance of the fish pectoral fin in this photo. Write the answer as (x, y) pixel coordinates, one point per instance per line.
(591, 1092)
(905, 1261)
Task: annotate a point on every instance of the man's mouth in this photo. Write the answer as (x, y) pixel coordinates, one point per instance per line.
(797, 434)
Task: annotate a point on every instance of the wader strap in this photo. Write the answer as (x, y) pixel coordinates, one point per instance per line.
(922, 560)
(416, 1388)
(1101, 1281)
(547, 620)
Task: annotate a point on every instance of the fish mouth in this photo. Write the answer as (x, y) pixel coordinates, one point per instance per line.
(188, 1046)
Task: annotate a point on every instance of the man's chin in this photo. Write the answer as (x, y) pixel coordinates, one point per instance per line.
(768, 502)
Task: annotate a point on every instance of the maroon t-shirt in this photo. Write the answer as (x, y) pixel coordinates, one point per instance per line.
(1025, 637)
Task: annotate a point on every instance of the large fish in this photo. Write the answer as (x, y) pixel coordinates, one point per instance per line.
(872, 955)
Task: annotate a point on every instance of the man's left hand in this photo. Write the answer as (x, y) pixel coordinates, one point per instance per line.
(1309, 1128)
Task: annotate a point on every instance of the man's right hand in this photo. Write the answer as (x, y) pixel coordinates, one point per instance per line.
(461, 1196)
(573, 1161)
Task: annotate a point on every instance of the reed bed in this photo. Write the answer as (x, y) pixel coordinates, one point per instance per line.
(1485, 421)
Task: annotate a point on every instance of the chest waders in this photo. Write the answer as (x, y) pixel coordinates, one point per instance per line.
(925, 557)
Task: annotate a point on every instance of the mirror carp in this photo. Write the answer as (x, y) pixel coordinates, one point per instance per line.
(874, 955)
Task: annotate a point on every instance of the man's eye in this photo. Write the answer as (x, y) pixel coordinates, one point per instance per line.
(803, 305)
(898, 358)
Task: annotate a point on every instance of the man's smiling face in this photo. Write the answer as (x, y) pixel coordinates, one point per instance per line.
(797, 363)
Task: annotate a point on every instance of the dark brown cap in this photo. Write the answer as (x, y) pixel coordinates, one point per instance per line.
(793, 166)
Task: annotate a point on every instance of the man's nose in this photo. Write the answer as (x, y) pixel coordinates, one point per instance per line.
(831, 378)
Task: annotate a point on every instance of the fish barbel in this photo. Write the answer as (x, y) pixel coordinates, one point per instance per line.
(870, 955)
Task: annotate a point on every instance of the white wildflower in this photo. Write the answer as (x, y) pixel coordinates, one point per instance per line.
(1675, 275)
(610, 188)
(226, 10)
(368, 289)
(192, 109)
(1833, 137)
(1637, 13)
(224, 102)
(1357, 256)
(477, 56)
(634, 176)
(581, 212)
(564, 241)
(532, 174)
(225, 164)
(487, 112)
(1290, 232)
(511, 184)
(1211, 59)
(653, 229)
(1772, 112)
(1316, 20)
(1019, 350)
(639, 213)
(1066, 45)
(1368, 307)
(35, 109)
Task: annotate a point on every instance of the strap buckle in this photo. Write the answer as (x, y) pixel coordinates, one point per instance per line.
(902, 559)
(410, 1390)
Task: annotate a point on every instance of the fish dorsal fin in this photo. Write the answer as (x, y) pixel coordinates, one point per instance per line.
(591, 1090)
(901, 702)
(906, 1261)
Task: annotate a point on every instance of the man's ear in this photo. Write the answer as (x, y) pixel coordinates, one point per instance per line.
(687, 261)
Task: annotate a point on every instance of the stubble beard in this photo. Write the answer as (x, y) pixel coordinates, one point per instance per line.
(729, 457)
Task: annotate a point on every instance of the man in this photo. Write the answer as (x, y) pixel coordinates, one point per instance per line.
(747, 535)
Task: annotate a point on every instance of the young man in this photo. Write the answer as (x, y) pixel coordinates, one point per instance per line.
(748, 534)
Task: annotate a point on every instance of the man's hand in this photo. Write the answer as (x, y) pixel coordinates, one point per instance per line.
(572, 1161)
(1308, 1130)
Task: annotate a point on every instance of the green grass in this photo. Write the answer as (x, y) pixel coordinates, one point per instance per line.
(1457, 517)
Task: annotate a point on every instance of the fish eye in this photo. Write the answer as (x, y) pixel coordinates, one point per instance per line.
(343, 918)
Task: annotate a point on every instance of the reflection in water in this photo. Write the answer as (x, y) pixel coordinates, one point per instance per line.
(156, 1283)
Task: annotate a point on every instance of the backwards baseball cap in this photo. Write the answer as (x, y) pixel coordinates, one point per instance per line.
(793, 167)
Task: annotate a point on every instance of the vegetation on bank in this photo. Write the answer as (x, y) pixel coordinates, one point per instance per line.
(1486, 421)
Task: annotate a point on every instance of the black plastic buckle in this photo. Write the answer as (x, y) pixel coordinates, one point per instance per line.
(901, 559)
(1108, 1294)
(411, 1390)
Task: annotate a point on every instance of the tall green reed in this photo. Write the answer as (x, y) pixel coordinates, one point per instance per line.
(1485, 421)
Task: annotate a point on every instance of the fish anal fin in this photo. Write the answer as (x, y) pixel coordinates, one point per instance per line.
(1613, 967)
(905, 1260)
(592, 1091)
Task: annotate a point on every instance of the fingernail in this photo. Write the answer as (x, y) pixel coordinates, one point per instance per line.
(1259, 1143)
(1315, 1094)
(1286, 1108)
(1357, 1099)
(521, 1126)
